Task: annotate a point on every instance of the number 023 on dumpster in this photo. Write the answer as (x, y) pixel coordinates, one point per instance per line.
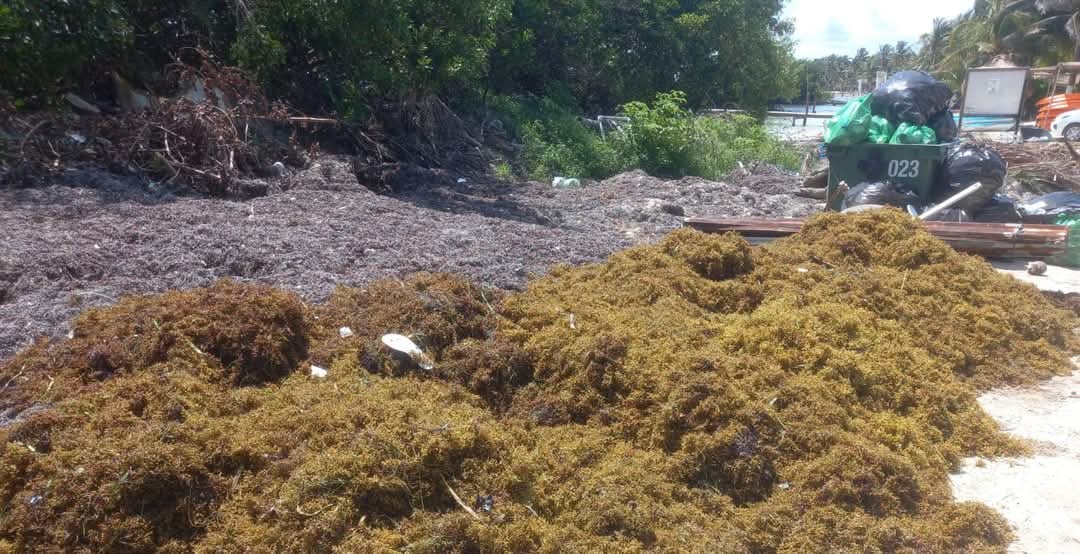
(904, 168)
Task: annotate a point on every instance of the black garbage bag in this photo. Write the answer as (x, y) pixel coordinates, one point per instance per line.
(1001, 209)
(950, 214)
(911, 97)
(944, 124)
(881, 194)
(1048, 207)
(967, 164)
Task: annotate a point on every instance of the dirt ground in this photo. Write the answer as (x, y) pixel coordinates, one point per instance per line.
(88, 237)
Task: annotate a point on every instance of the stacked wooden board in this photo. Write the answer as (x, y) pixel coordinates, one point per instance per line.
(992, 240)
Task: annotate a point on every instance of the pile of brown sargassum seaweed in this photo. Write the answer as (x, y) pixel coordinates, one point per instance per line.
(699, 395)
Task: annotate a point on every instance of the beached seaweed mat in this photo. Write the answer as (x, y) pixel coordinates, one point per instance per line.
(698, 395)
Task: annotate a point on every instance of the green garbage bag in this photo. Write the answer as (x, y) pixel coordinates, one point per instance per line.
(881, 130)
(908, 133)
(1071, 257)
(851, 124)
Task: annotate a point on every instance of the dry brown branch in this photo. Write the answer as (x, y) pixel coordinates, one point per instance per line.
(22, 145)
(1072, 151)
(459, 501)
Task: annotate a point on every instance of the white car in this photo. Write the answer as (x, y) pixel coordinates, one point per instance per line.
(1067, 126)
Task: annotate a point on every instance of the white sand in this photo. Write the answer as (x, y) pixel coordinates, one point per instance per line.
(1057, 279)
(1040, 496)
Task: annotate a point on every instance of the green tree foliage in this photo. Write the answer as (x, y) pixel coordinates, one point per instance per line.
(337, 55)
(932, 45)
(610, 52)
(45, 44)
(346, 51)
(1024, 32)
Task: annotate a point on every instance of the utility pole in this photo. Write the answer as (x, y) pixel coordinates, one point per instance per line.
(806, 116)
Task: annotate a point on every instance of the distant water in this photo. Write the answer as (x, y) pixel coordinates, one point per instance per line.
(814, 130)
(801, 108)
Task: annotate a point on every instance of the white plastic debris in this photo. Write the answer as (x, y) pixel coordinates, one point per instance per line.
(803, 270)
(1037, 268)
(462, 181)
(318, 372)
(565, 183)
(345, 332)
(405, 345)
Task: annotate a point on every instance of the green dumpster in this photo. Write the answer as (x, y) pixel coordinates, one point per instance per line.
(914, 165)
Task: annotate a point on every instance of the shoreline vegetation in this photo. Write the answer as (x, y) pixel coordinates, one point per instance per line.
(526, 68)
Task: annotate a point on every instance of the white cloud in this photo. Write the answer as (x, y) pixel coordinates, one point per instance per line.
(843, 26)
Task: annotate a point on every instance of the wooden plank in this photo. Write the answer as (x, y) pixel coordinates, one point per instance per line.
(1006, 240)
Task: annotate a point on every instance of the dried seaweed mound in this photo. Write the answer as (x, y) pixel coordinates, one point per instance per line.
(698, 395)
(825, 384)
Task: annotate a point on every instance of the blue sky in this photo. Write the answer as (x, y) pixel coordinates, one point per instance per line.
(824, 27)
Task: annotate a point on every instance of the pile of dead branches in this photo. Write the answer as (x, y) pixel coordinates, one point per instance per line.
(35, 144)
(1043, 167)
(180, 139)
(208, 128)
(215, 130)
(415, 131)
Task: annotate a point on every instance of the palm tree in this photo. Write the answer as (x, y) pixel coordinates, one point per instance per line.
(885, 58)
(1026, 32)
(902, 55)
(1060, 20)
(934, 43)
(992, 29)
(861, 63)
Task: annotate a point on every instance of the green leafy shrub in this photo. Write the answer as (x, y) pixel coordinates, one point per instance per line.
(666, 139)
(720, 144)
(555, 142)
(333, 55)
(564, 147)
(46, 44)
(660, 137)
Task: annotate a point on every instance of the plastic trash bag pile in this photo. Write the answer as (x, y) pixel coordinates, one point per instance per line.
(1057, 208)
(910, 108)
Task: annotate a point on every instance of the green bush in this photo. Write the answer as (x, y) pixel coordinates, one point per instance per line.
(666, 139)
(336, 55)
(660, 137)
(48, 44)
(663, 138)
(564, 147)
(720, 144)
(555, 142)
